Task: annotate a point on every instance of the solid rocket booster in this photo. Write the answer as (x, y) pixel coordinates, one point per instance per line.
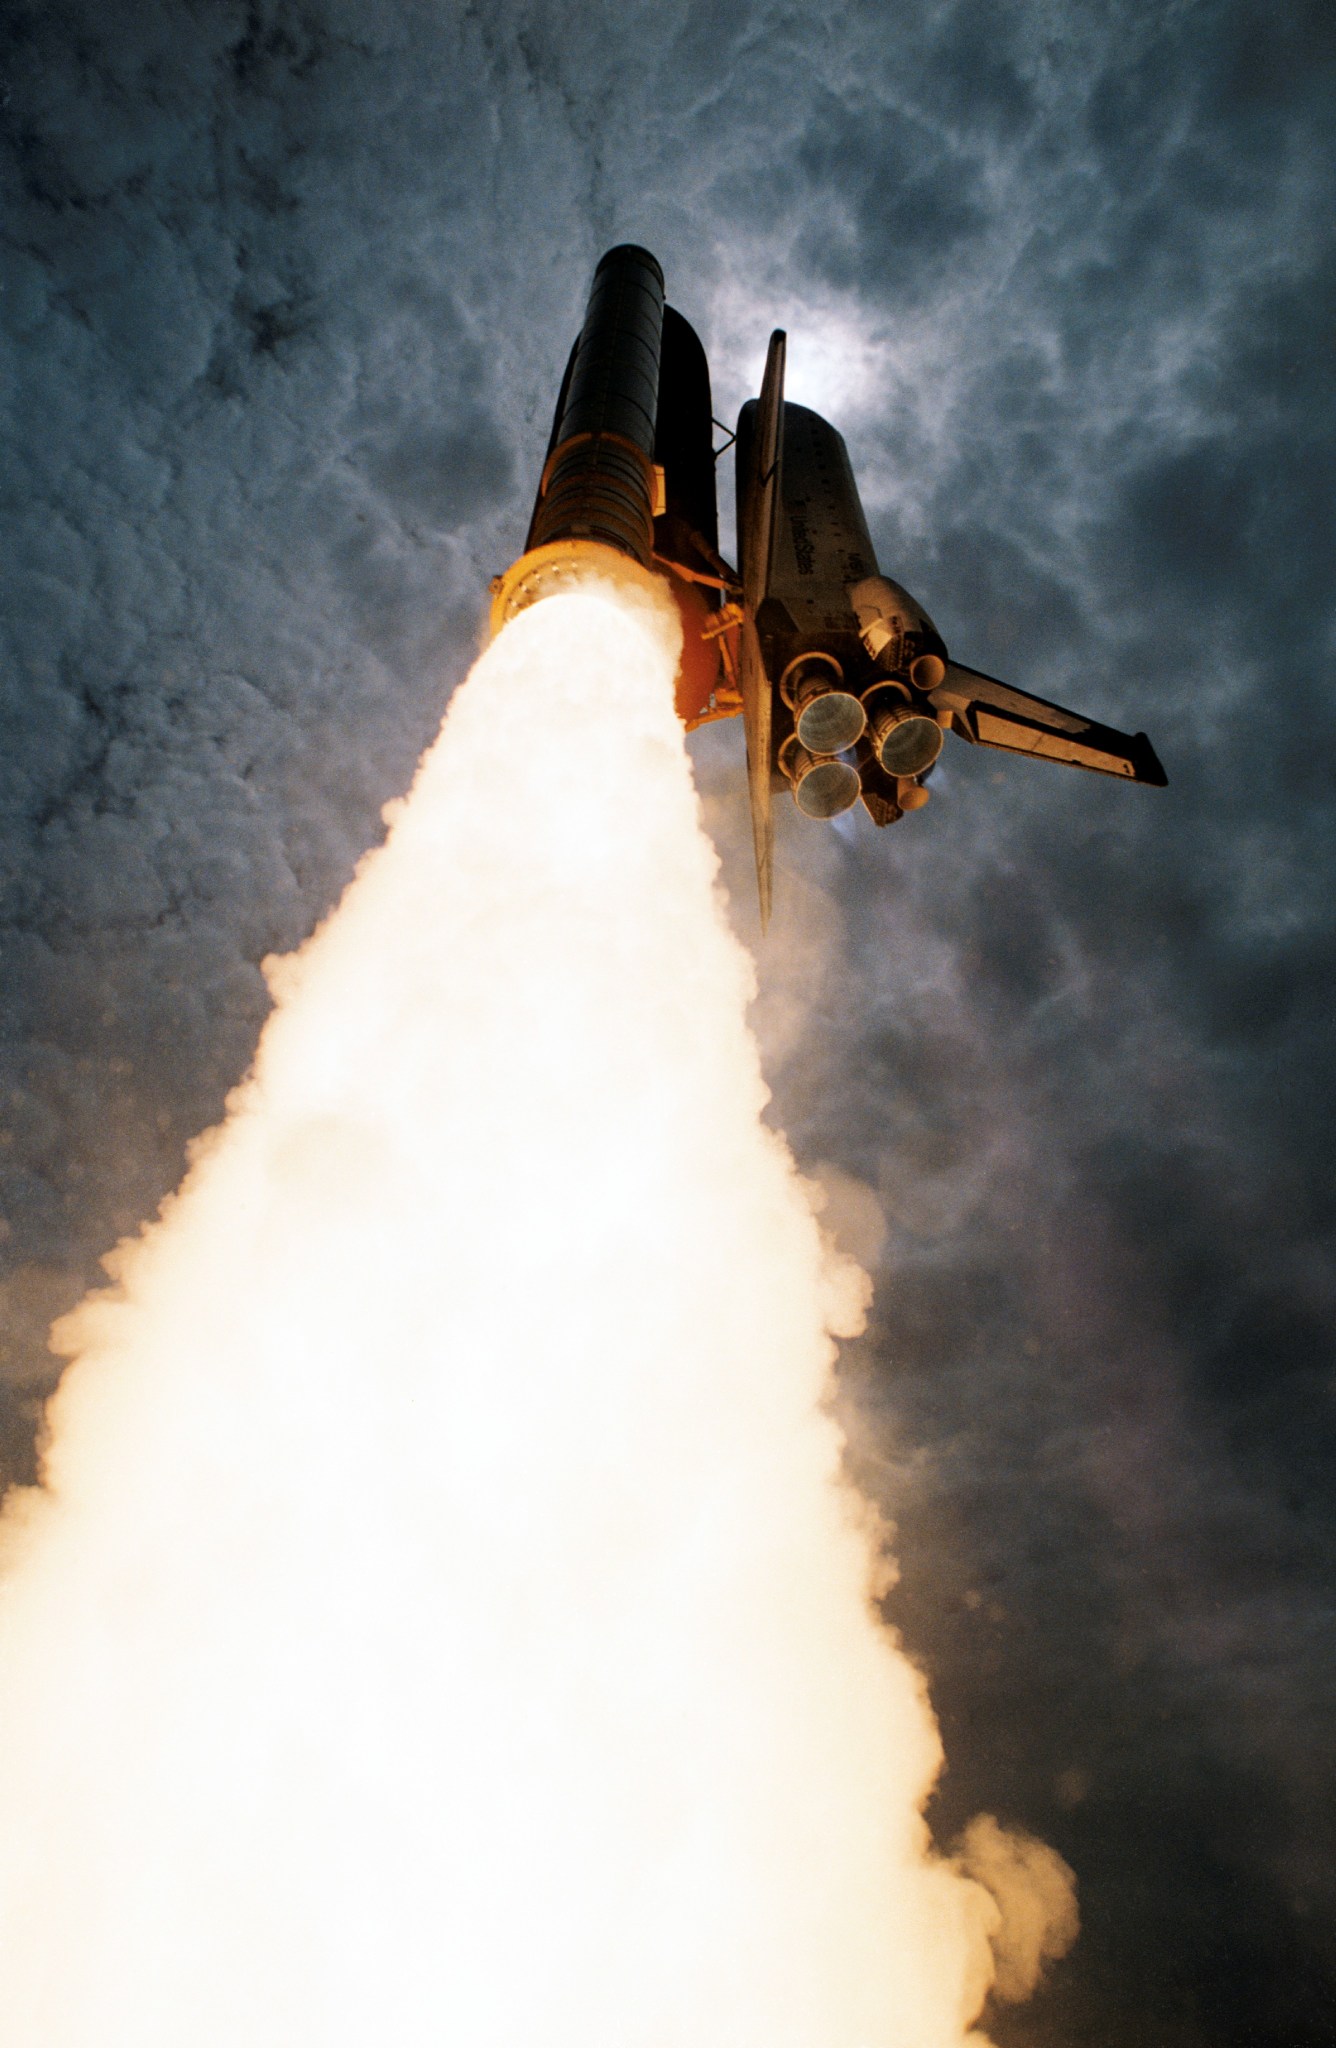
(628, 482)
(598, 482)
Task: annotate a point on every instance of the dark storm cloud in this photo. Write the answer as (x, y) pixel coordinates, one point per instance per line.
(909, 198)
(286, 294)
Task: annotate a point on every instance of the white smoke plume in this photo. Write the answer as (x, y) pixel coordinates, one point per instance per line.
(443, 1620)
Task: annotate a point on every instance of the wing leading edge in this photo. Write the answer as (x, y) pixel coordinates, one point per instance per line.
(992, 714)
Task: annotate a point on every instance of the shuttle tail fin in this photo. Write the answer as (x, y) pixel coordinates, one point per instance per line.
(759, 504)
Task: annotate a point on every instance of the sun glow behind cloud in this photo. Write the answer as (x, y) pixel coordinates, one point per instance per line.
(444, 1618)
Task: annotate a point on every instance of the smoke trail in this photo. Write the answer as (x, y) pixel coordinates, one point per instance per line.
(442, 1621)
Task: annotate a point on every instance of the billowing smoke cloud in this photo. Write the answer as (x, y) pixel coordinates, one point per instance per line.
(1035, 1919)
(443, 1618)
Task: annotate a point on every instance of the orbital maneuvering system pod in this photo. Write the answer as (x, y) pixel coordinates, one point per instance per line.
(843, 683)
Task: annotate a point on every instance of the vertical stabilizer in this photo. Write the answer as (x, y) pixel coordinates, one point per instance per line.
(758, 500)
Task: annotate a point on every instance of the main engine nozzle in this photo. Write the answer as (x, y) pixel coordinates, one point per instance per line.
(905, 740)
(827, 718)
(822, 785)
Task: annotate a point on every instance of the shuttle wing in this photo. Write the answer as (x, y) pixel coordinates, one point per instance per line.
(760, 500)
(992, 714)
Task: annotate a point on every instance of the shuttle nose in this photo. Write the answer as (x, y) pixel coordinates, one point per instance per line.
(828, 718)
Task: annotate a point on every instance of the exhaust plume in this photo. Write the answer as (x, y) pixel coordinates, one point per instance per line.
(442, 1619)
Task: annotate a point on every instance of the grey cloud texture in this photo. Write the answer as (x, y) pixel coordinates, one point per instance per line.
(286, 293)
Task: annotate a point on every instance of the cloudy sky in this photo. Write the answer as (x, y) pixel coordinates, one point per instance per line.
(286, 292)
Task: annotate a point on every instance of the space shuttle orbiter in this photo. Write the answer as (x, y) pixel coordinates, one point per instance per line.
(843, 683)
